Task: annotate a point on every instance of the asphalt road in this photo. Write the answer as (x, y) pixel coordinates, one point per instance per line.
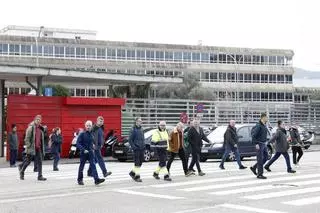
(231, 190)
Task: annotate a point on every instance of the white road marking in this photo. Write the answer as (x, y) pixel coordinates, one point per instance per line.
(247, 208)
(303, 202)
(146, 194)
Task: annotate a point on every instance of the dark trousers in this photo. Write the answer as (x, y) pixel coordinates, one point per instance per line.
(195, 159)
(83, 159)
(138, 157)
(276, 156)
(162, 154)
(56, 159)
(227, 150)
(13, 156)
(37, 161)
(295, 150)
(98, 159)
(182, 157)
(187, 151)
(262, 157)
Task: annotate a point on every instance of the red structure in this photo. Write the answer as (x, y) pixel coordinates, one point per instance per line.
(65, 112)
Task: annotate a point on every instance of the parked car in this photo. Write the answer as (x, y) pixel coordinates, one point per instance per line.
(306, 137)
(215, 150)
(123, 151)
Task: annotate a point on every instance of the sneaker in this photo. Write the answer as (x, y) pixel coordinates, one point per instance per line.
(98, 181)
(201, 173)
(189, 173)
(221, 167)
(107, 174)
(167, 178)
(261, 177)
(253, 170)
(291, 171)
(55, 169)
(80, 183)
(41, 178)
(267, 168)
(156, 176)
(242, 167)
(137, 179)
(21, 175)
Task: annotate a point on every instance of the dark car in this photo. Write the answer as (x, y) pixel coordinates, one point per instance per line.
(246, 148)
(123, 152)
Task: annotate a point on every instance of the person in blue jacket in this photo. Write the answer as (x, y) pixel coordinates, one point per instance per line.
(85, 143)
(56, 141)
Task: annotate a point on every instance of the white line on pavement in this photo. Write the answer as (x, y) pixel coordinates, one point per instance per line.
(196, 210)
(145, 194)
(303, 202)
(247, 208)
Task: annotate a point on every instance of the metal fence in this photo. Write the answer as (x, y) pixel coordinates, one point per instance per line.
(217, 112)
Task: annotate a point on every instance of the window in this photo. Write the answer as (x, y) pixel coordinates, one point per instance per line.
(121, 54)
(280, 96)
(168, 73)
(72, 92)
(247, 78)
(25, 49)
(150, 72)
(256, 59)
(230, 59)
(101, 93)
(280, 79)
(150, 55)
(25, 91)
(222, 77)
(59, 52)
(239, 59)
(111, 53)
(159, 56)
(14, 49)
(35, 51)
(13, 91)
(256, 96)
(3, 49)
(48, 50)
(187, 57)
(272, 60)
(92, 92)
(160, 73)
(288, 79)
(272, 78)
(141, 55)
(214, 77)
(256, 78)
(241, 79)
(280, 60)
(264, 78)
(222, 58)
(131, 54)
(177, 56)
(80, 92)
(70, 53)
(205, 76)
(168, 56)
(243, 134)
(264, 96)
(231, 77)
(101, 53)
(195, 57)
(205, 58)
(80, 52)
(272, 96)
(288, 96)
(247, 96)
(247, 59)
(265, 60)
(91, 52)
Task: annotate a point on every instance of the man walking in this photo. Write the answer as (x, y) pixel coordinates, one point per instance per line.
(136, 141)
(259, 135)
(13, 145)
(231, 144)
(85, 144)
(35, 147)
(296, 145)
(160, 142)
(281, 146)
(98, 143)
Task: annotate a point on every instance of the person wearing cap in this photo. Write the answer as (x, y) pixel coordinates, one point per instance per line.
(160, 142)
(13, 145)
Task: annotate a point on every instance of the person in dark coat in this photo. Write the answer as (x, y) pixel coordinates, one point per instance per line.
(281, 146)
(186, 143)
(296, 145)
(13, 145)
(136, 141)
(56, 141)
(231, 144)
(195, 136)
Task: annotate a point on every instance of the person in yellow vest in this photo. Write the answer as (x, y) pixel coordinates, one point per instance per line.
(160, 142)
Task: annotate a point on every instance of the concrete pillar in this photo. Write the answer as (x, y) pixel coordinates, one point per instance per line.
(2, 118)
(39, 85)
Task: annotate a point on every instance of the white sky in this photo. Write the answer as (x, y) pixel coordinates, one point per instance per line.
(290, 24)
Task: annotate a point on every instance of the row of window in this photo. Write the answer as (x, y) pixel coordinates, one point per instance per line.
(245, 77)
(140, 55)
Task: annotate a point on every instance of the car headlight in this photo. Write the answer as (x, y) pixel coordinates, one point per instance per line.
(217, 145)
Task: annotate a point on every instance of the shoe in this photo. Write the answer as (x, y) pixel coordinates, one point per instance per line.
(221, 167)
(267, 168)
(261, 177)
(242, 167)
(98, 181)
(291, 171)
(253, 170)
(107, 174)
(35, 170)
(167, 178)
(21, 175)
(89, 174)
(132, 175)
(137, 179)
(55, 169)
(80, 183)
(156, 176)
(192, 170)
(201, 173)
(189, 173)
(41, 178)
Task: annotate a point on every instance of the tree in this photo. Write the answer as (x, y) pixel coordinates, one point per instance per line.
(57, 90)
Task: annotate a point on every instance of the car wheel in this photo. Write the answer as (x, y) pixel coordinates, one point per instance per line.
(122, 160)
(232, 156)
(147, 155)
(203, 159)
(269, 153)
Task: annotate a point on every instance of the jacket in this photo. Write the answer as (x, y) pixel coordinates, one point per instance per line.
(295, 137)
(280, 139)
(230, 136)
(136, 138)
(98, 136)
(56, 141)
(29, 139)
(85, 141)
(260, 133)
(160, 138)
(175, 141)
(195, 138)
(13, 141)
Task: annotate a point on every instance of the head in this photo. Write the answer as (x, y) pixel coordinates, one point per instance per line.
(100, 121)
(88, 125)
(180, 126)
(138, 121)
(264, 118)
(280, 124)
(57, 130)
(196, 122)
(37, 119)
(14, 127)
(162, 125)
(191, 124)
(232, 123)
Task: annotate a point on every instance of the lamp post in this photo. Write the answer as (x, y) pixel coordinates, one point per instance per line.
(37, 45)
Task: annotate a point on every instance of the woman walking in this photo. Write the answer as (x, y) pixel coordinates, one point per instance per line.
(56, 140)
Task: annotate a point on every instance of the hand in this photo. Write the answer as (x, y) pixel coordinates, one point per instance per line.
(235, 145)
(85, 151)
(257, 147)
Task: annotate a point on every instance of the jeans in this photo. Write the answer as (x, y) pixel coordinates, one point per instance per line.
(182, 157)
(228, 149)
(37, 161)
(56, 158)
(295, 150)
(276, 156)
(138, 157)
(262, 157)
(195, 160)
(83, 159)
(99, 159)
(13, 156)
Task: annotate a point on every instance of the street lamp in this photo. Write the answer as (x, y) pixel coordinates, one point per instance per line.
(37, 45)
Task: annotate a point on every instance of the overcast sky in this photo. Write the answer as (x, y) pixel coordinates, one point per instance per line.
(290, 24)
